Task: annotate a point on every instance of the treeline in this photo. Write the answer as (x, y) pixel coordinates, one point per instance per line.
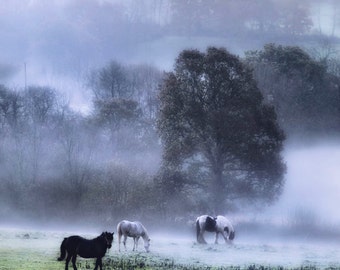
(304, 90)
(238, 19)
(56, 163)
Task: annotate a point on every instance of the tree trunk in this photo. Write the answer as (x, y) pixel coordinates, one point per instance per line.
(218, 190)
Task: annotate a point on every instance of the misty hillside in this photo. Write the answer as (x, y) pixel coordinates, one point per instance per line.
(94, 122)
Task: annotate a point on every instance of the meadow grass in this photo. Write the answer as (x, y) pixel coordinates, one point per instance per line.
(30, 259)
(39, 251)
(15, 259)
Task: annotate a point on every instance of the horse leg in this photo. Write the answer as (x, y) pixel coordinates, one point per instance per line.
(119, 237)
(134, 244)
(226, 238)
(99, 262)
(216, 238)
(67, 261)
(124, 241)
(74, 258)
(202, 240)
(137, 239)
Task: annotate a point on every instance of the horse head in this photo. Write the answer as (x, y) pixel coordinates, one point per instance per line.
(232, 235)
(147, 244)
(108, 238)
(228, 233)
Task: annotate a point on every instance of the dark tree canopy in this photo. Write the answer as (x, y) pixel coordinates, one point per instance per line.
(212, 114)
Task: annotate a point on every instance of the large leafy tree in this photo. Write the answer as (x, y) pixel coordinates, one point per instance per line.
(212, 115)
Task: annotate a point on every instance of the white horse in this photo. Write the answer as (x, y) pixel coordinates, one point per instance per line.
(219, 225)
(135, 230)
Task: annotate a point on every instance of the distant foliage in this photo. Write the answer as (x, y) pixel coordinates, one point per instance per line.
(305, 95)
(265, 18)
(219, 119)
(125, 104)
(50, 154)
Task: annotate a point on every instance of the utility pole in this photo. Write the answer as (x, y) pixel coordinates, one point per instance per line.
(25, 76)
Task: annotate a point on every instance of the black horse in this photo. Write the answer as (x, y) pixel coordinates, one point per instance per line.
(77, 245)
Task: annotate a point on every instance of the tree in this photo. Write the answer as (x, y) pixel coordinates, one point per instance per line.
(40, 105)
(109, 82)
(212, 114)
(304, 94)
(10, 110)
(125, 105)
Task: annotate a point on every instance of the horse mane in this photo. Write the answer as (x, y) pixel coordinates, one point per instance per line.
(144, 233)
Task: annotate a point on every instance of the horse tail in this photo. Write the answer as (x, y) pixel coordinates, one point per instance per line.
(119, 229)
(198, 230)
(63, 250)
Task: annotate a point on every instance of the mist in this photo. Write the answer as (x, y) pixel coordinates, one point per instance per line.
(307, 207)
(312, 184)
(59, 43)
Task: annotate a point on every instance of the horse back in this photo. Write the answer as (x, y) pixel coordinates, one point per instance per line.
(131, 229)
(91, 249)
(126, 227)
(84, 247)
(72, 242)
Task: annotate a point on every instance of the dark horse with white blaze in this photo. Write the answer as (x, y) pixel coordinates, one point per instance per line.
(219, 225)
(77, 245)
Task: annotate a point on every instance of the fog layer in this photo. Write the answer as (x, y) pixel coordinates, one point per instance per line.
(59, 43)
(312, 182)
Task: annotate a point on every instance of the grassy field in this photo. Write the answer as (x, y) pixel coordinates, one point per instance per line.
(30, 259)
(21, 249)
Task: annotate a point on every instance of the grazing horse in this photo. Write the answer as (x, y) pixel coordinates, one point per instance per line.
(219, 225)
(77, 245)
(135, 230)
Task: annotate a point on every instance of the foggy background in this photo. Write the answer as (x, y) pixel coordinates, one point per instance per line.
(61, 41)
(64, 157)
